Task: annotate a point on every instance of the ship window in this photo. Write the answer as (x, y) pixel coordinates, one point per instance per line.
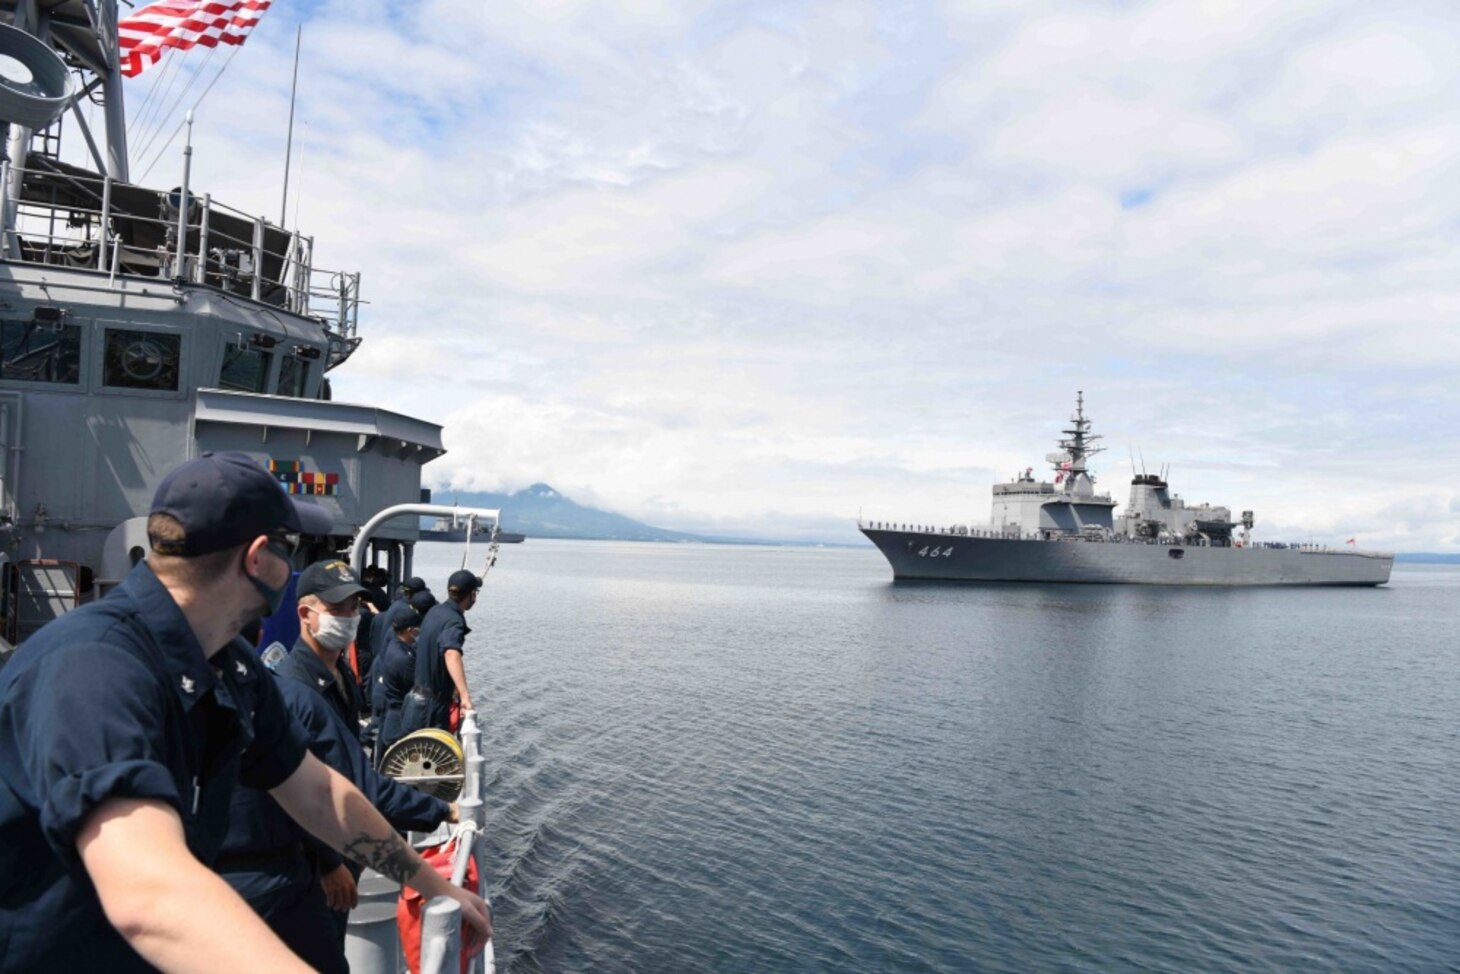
(1176, 553)
(142, 359)
(293, 373)
(245, 369)
(36, 351)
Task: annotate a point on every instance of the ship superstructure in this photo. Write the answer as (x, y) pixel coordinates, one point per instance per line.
(1063, 530)
(142, 326)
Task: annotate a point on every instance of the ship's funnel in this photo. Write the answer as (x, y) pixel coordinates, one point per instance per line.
(34, 84)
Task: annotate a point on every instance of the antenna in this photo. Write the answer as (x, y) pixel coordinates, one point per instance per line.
(289, 142)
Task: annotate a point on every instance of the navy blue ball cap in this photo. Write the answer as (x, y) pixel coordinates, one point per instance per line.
(227, 499)
(332, 580)
(407, 620)
(415, 583)
(462, 582)
(422, 602)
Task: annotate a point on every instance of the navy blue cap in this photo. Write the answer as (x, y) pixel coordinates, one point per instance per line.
(415, 583)
(462, 582)
(407, 620)
(332, 580)
(228, 499)
(422, 602)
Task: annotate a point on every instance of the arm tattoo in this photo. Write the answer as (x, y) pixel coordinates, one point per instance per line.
(390, 857)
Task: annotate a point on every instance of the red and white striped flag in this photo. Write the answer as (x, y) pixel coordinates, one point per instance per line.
(182, 24)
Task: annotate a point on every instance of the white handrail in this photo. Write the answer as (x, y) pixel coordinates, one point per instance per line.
(362, 540)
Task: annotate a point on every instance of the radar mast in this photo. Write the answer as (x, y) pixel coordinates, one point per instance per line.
(1077, 447)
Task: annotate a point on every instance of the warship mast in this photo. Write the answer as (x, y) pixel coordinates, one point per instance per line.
(1078, 446)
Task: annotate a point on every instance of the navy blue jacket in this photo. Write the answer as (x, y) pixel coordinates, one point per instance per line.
(118, 700)
(265, 851)
(303, 665)
(394, 677)
(443, 628)
(382, 628)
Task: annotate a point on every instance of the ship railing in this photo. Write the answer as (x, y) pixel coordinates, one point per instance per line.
(955, 530)
(441, 944)
(68, 219)
(373, 944)
(441, 939)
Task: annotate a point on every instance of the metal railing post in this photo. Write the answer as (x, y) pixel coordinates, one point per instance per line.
(441, 937)
(116, 258)
(471, 732)
(102, 256)
(474, 785)
(180, 271)
(344, 316)
(286, 270)
(258, 258)
(5, 207)
(203, 239)
(306, 273)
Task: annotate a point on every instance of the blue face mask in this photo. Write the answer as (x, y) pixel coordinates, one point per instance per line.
(273, 596)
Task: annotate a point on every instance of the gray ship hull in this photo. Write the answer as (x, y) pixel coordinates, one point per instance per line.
(953, 557)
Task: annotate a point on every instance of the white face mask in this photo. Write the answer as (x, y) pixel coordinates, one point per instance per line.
(335, 632)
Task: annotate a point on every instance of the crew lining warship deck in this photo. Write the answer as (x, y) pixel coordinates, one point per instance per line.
(1063, 531)
(142, 327)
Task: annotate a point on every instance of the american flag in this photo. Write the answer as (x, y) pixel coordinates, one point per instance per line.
(182, 24)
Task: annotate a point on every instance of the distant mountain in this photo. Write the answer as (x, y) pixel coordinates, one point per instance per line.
(1427, 558)
(540, 511)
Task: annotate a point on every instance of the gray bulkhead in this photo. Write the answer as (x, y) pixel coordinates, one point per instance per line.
(103, 389)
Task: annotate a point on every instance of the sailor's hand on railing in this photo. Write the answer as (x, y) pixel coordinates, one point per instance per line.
(475, 914)
(453, 815)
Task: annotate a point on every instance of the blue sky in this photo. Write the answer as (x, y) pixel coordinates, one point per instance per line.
(756, 267)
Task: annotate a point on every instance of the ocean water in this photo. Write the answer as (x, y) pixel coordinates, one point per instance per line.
(713, 758)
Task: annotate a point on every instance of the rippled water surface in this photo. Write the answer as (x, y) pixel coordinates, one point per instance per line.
(764, 759)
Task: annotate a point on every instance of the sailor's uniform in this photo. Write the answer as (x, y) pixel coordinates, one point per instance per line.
(429, 703)
(395, 673)
(382, 627)
(276, 865)
(117, 700)
(342, 694)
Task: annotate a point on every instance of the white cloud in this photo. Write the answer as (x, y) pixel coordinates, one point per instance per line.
(751, 267)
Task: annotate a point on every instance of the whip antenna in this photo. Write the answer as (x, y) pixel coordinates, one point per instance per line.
(289, 141)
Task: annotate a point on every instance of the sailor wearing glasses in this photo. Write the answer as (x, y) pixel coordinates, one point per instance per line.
(302, 888)
(125, 726)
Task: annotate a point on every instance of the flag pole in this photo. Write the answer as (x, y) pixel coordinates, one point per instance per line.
(289, 142)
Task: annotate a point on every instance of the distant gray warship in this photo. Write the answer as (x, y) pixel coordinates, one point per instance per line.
(1063, 531)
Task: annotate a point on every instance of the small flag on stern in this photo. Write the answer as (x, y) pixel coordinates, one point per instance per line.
(182, 24)
(1353, 541)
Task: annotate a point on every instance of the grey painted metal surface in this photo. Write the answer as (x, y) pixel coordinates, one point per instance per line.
(372, 937)
(927, 555)
(141, 327)
(1064, 532)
